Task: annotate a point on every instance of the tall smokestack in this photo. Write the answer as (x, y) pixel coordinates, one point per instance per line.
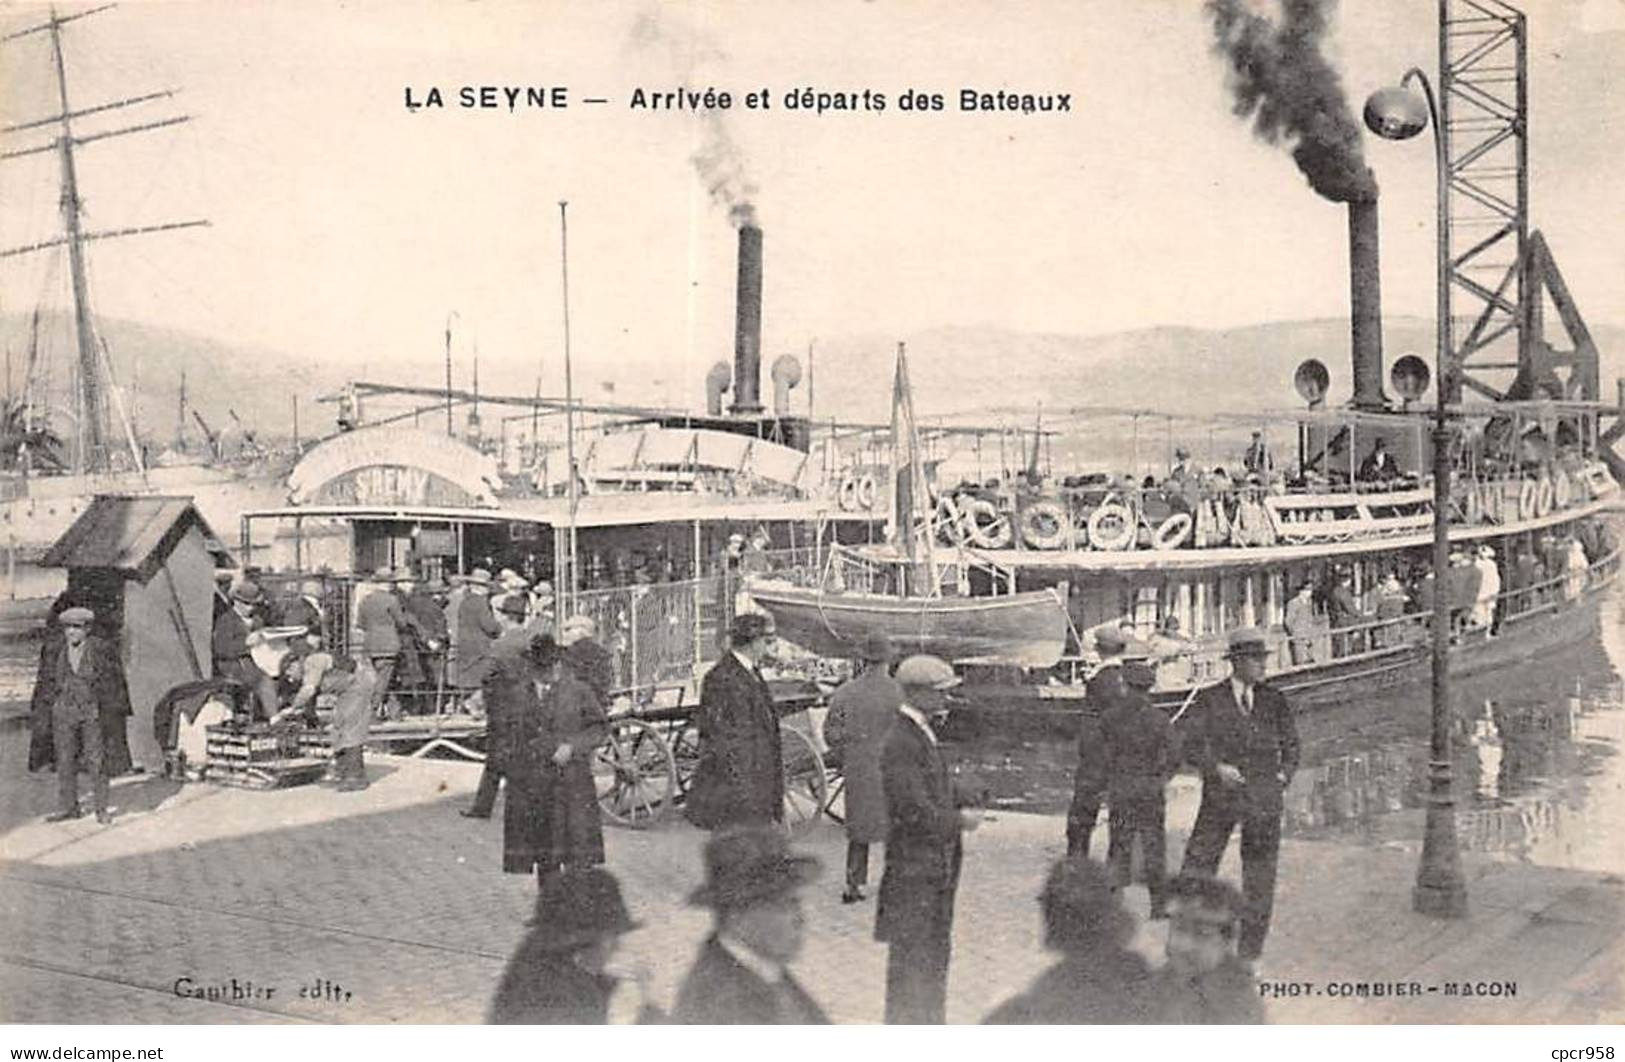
(748, 323)
(1365, 305)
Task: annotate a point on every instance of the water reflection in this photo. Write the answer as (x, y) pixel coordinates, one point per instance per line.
(1535, 749)
(1531, 776)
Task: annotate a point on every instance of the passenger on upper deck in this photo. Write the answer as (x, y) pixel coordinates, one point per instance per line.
(1258, 460)
(1379, 465)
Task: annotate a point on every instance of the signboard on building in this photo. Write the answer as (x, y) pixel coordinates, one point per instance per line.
(394, 466)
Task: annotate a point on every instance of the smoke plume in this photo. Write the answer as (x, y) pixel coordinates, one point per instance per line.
(1286, 86)
(718, 161)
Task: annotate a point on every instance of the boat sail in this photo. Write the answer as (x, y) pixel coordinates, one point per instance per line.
(1017, 629)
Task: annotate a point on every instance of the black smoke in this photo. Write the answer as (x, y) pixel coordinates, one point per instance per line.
(1286, 86)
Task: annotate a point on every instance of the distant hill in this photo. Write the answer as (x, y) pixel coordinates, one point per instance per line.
(954, 371)
(1175, 370)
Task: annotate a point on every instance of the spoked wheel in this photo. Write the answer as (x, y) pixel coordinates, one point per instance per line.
(685, 752)
(634, 774)
(806, 783)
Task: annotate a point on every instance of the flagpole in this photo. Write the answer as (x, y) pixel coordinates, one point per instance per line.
(904, 400)
(572, 571)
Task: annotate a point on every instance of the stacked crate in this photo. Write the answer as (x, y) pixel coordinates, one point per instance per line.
(254, 756)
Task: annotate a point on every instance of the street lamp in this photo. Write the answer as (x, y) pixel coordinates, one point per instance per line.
(1395, 113)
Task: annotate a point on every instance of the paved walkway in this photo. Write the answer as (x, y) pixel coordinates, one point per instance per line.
(386, 906)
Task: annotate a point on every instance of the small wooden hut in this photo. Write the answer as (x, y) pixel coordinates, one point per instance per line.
(146, 564)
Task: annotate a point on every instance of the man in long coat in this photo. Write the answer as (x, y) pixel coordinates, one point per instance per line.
(861, 713)
(741, 975)
(381, 619)
(79, 688)
(1241, 734)
(740, 777)
(551, 821)
(1104, 689)
(1140, 758)
(915, 914)
(476, 630)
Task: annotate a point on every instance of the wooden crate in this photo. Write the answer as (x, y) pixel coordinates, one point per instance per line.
(267, 774)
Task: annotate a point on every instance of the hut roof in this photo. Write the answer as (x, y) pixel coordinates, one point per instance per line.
(132, 534)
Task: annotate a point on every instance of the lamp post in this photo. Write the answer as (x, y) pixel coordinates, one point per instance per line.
(1396, 114)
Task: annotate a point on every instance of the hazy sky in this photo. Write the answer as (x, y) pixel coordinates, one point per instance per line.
(346, 227)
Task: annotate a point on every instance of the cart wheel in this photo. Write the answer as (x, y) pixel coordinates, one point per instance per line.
(806, 783)
(634, 774)
(685, 752)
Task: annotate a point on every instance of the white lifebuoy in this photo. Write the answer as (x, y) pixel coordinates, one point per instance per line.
(1111, 527)
(866, 492)
(1527, 495)
(847, 497)
(1044, 525)
(1172, 532)
(986, 526)
(1543, 499)
(1562, 490)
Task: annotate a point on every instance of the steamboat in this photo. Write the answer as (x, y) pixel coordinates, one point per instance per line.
(1318, 532)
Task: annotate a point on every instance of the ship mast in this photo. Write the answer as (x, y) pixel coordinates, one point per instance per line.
(92, 451)
(93, 432)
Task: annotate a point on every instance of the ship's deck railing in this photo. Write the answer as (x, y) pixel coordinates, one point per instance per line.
(1204, 661)
(1201, 513)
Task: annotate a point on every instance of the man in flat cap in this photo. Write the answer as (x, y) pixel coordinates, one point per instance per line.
(80, 682)
(1104, 689)
(861, 714)
(232, 650)
(740, 777)
(741, 977)
(1241, 734)
(915, 912)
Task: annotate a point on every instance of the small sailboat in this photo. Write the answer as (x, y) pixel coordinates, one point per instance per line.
(901, 586)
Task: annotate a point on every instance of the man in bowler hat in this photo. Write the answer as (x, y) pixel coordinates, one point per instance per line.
(741, 977)
(1241, 735)
(861, 713)
(740, 776)
(915, 913)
